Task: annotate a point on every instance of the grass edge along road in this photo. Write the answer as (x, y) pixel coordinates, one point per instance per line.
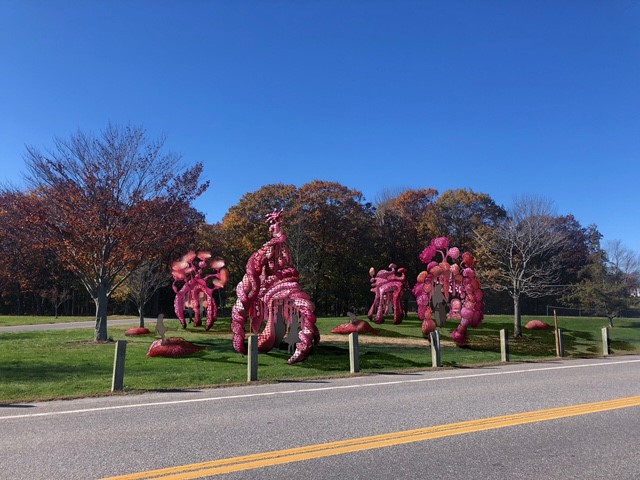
(278, 457)
(64, 364)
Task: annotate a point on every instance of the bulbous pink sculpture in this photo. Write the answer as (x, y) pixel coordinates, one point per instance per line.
(172, 347)
(388, 286)
(456, 279)
(270, 285)
(196, 291)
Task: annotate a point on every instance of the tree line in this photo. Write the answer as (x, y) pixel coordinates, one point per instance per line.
(102, 217)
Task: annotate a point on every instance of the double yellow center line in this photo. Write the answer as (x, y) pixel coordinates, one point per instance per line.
(260, 460)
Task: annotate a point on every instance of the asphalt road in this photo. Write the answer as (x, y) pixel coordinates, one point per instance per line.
(550, 439)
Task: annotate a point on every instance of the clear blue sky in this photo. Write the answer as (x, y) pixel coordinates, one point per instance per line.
(503, 97)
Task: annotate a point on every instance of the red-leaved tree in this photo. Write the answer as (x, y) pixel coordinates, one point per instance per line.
(107, 203)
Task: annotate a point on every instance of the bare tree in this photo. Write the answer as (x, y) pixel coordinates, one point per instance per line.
(143, 282)
(626, 261)
(103, 203)
(608, 282)
(522, 253)
(57, 295)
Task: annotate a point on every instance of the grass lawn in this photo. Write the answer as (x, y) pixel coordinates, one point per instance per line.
(67, 364)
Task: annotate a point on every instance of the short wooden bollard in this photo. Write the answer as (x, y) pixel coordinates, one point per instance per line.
(559, 344)
(354, 355)
(435, 349)
(605, 342)
(504, 345)
(118, 365)
(252, 359)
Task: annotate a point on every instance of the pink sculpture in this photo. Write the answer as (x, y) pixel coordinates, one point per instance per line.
(270, 285)
(455, 283)
(196, 291)
(172, 347)
(537, 325)
(137, 331)
(388, 286)
(354, 325)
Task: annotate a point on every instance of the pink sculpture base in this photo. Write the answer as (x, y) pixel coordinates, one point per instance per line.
(360, 326)
(137, 331)
(173, 347)
(537, 325)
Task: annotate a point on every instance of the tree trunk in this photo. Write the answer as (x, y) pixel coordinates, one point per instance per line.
(517, 317)
(101, 301)
(610, 322)
(141, 313)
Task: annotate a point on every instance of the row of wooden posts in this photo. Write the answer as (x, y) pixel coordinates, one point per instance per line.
(354, 355)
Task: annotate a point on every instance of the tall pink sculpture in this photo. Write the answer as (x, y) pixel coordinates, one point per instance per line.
(196, 291)
(388, 286)
(449, 276)
(269, 286)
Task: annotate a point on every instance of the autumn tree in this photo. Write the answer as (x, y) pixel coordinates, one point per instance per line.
(522, 254)
(105, 203)
(329, 231)
(402, 223)
(30, 272)
(244, 228)
(456, 214)
(336, 228)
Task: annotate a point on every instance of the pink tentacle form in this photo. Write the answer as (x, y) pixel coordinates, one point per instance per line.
(388, 287)
(212, 312)
(271, 283)
(179, 305)
(267, 338)
(453, 275)
(309, 334)
(196, 289)
(238, 321)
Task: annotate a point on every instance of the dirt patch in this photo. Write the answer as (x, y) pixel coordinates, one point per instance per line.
(373, 339)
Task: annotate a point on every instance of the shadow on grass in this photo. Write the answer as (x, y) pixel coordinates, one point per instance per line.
(631, 325)
(48, 372)
(617, 345)
(377, 361)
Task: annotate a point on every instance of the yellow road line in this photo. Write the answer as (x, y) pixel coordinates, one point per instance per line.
(248, 462)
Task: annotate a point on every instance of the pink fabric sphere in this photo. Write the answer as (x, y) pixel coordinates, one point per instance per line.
(459, 337)
(537, 325)
(441, 243)
(427, 254)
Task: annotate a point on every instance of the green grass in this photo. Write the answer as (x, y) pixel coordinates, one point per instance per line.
(67, 364)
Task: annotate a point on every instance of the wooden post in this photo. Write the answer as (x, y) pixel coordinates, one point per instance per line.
(354, 355)
(605, 341)
(118, 365)
(252, 358)
(435, 349)
(559, 344)
(504, 345)
(558, 335)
